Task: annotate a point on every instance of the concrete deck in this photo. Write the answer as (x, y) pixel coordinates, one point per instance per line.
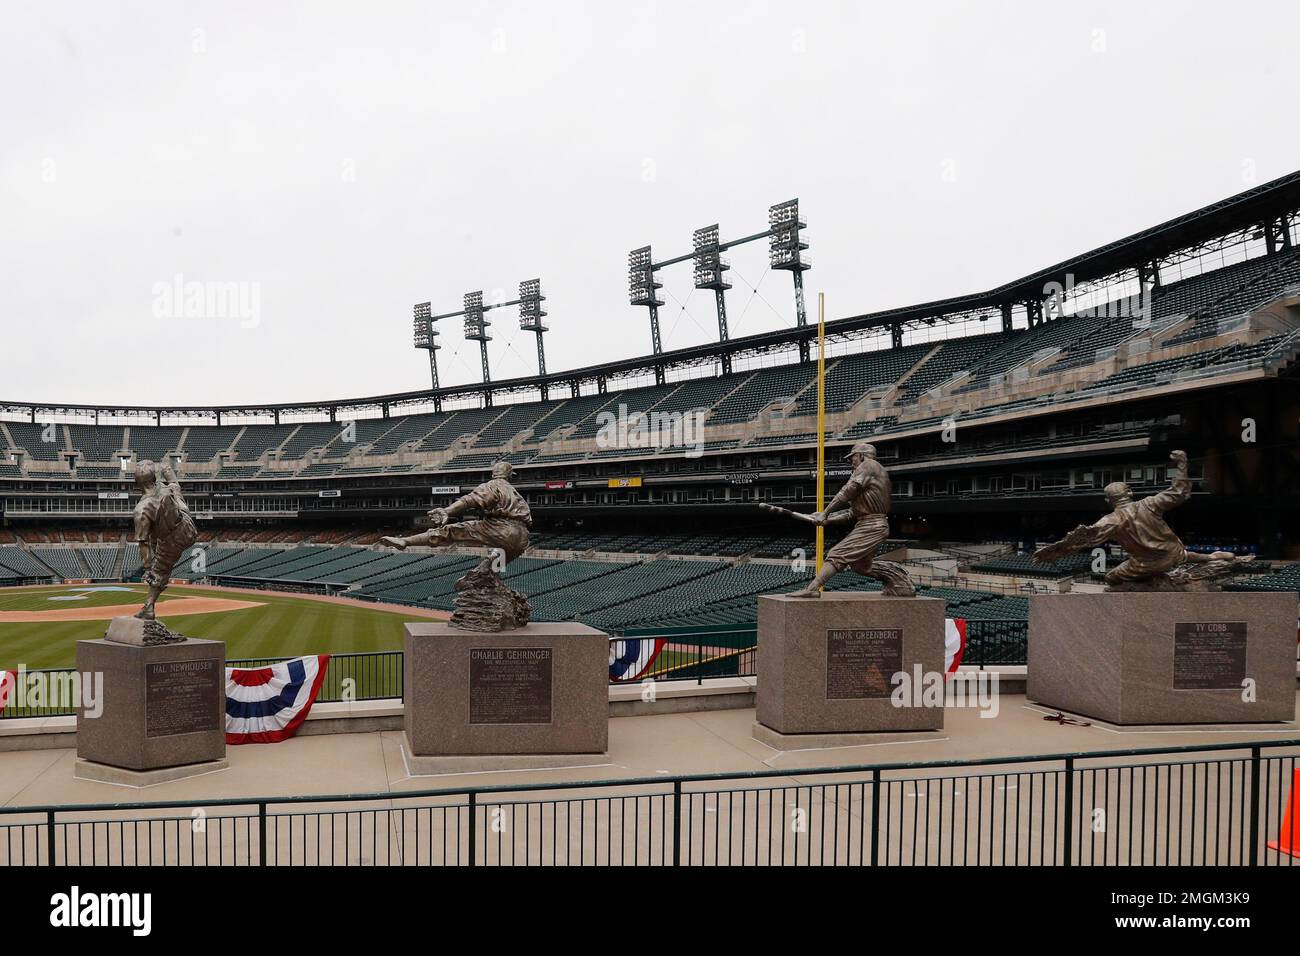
(639, 746)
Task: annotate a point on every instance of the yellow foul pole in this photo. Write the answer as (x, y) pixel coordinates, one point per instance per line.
(821, 419)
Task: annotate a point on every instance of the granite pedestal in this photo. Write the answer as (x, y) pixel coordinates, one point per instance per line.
(1165, 657)
(527, 698)
(161, 713)
(826, 668)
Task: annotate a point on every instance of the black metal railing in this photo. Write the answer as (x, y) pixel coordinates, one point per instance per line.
(370, 675)
(995, 641)
(373, 675)
(693, 654)
(690, 653)
(1220, 804)
(697, 653)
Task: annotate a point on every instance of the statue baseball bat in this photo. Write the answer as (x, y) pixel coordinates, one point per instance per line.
(786, 511)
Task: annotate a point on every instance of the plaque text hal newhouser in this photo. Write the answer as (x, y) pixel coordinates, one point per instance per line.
(861, 662)
(510, 685)
(1209, 655)
(183, 697)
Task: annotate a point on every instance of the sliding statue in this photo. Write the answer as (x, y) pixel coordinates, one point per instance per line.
(864, 502)
(1163, 644)
(1157, 559)
(483, 602)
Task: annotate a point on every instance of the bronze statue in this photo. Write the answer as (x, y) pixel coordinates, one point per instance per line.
(163, 529)
(1157, 560)
(864, 501)
(483, 602)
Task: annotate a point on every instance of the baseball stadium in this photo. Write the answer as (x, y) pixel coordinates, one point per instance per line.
(1001, 416)
(673, 435)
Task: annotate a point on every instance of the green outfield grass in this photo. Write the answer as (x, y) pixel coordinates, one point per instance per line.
(283, 626)
(38, 599)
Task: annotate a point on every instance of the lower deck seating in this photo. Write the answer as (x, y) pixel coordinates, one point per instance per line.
(667, 589)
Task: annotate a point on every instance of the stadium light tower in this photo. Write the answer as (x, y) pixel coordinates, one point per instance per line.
(710, 264)
(530, 320)
(785, 247)
(643, 289)
(476, 325)
(426, 337)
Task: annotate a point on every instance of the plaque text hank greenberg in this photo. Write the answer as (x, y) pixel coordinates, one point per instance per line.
(861, 662)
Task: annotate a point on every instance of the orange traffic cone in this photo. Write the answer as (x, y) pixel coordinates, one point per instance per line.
(1288, 841)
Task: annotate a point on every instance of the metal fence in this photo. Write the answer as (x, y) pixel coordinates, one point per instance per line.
(697, 653)
(371, 675)
(689, 653)
(996, 641)
(374, 675)
(1220, 805)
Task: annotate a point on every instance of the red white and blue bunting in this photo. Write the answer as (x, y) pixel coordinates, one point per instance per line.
(265, 705)
(954, 644)
(631, 657)
(8, 681)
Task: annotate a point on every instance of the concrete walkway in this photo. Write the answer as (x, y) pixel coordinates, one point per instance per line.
(646, 746)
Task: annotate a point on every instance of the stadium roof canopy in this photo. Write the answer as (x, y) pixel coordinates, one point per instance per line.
(1249, 210)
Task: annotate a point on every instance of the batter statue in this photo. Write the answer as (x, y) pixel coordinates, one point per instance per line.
(163, 529)
(863, 501)
(483, 602)
(1157, 560)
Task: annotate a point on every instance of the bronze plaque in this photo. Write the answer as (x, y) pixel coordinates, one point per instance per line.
(510, 685)
(1209, 655)
(860, 662)
(183, 697)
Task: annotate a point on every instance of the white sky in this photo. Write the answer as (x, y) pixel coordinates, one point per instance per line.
(350, 159)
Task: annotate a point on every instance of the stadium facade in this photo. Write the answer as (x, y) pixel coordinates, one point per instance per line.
(1000, 414)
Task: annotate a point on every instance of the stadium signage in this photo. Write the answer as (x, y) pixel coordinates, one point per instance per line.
(743, 477)
(625, 482)
(558, 485)
(446, 489)
(113, 496)
(331, 493)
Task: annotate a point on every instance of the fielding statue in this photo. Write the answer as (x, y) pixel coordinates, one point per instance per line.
(863, 501)
(483, 602)
(163, 530)
(1157, 560)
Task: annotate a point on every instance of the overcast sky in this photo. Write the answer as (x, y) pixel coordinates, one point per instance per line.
(345, 160)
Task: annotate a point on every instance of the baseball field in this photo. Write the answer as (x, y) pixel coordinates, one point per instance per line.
(39, 626)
